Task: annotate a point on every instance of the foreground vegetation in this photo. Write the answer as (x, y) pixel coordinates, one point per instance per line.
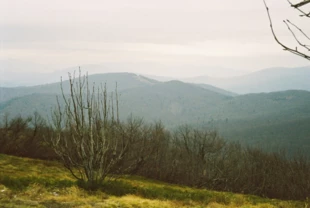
(35, 183)
(94, 144)
(188, 157)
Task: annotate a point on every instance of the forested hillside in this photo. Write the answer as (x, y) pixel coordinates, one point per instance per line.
(272, 120)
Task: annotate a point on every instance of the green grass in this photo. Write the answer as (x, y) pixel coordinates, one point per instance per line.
(34, 183)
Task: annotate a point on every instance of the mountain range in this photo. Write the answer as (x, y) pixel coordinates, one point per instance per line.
(267, 80)
(15, 73)
(269, 120)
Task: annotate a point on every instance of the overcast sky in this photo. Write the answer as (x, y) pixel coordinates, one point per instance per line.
(202, 33)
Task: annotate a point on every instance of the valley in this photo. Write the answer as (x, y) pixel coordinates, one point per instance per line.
(273, 121)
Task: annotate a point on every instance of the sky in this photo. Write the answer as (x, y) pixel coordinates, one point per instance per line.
(166, 37)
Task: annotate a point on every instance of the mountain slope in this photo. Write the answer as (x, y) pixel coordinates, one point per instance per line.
(173, 102)
(216, 89)
(124, 81)
(273, 121)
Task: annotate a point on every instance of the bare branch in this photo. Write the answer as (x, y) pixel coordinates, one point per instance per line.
(302, 3)
(88, 140)
(294, 51)
(304, 14)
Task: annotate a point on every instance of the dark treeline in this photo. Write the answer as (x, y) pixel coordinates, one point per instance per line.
(187, 156)
(24, 137)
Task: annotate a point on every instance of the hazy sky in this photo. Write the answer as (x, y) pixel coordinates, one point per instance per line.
(227, 33)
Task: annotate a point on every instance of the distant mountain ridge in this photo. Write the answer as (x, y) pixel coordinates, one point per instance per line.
(123, 80)
(267, 80)
(14, 73)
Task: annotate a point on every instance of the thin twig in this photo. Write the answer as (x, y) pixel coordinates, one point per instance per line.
(295, 37)
(294, 51)
(300, 30)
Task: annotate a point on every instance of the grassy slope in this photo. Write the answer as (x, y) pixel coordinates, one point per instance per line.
(35, 183)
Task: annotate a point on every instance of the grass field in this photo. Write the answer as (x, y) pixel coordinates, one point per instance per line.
(34, 183)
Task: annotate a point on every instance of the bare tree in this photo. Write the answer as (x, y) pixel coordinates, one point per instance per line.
(86, 135)
(300, 49)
